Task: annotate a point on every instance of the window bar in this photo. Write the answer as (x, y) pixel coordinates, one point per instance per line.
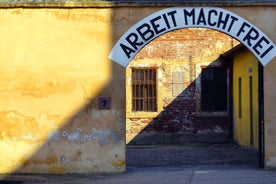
(139, 89)
(152, 96)
(147, 88)
(153, 90)
(134, 89)
(144, 89)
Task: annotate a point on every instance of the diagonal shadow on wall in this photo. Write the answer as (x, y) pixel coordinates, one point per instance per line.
(85, 144)
(181, 122)
(92, 139)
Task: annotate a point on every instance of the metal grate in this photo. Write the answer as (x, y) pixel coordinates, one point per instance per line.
(144, 90)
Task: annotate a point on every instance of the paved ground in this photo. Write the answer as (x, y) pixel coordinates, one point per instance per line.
(194, 154)
(211, 174)
(194, 164)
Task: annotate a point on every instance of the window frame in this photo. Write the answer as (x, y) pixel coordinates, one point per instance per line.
(199, 111)
(144, 91)
(159, 73)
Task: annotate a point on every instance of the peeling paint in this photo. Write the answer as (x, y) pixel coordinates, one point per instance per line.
(29, 136)
(104, 137)
(48, 97)
(54, 135)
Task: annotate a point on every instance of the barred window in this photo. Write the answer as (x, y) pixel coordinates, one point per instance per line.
(214, 89)
(144, 90)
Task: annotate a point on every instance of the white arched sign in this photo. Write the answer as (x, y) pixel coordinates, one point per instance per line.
(171, 19)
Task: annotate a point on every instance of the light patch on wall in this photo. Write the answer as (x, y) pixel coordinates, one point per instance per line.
(103, 137)
(178, 79)
(30, 137)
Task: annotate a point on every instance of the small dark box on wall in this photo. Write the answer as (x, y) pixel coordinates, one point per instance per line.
(104, 102)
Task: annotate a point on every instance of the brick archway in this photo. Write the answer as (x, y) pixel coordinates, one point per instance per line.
(170, 19)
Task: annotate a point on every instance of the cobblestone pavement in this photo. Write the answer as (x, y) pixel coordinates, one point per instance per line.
(193, 164)
(193, 154)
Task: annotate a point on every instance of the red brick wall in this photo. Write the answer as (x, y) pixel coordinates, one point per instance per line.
(185, 43)
(180, 120)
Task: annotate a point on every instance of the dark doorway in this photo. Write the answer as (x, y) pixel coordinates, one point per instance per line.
(261, 116)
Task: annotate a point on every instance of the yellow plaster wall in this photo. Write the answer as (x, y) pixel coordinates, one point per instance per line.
(263, 17)
(53, 65)
(53, 68)
(245, 65)
(269, 114)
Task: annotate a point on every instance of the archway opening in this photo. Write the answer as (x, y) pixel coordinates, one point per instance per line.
(186, 89)
(170, 19)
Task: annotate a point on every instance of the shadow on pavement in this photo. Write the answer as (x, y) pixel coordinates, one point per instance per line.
(190, 154)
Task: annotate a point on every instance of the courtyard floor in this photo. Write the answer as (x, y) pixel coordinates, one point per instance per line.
(189, 164)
